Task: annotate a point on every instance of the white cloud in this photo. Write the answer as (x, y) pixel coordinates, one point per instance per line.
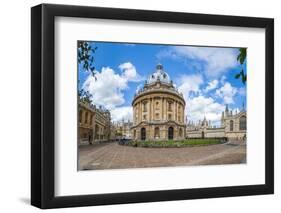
(102, 93)
(168, 53)
(212, 85)
(189, 83)
(222, 79)
(242, 91)
(129, 72)
(120, 113)
(138, 88)
(107, 86)
(227, 92)
(216, 61)
(197, 105)
(201, 106)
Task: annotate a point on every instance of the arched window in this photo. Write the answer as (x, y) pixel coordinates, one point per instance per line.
(242, 123)
(157, 105)
(144, 117)
(156, 132)
(145, 106)
(157, 116)
(170, 106)
(169, 117)
(143, 134)
(202, 134)
(231, 125)
(170, 133)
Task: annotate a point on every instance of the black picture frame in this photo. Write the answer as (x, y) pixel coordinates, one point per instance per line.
(43, 102)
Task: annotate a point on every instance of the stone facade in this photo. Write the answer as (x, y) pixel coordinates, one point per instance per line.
(158, 109)
(233, 127)
(235, 124)
(94, 123)
(123, 129)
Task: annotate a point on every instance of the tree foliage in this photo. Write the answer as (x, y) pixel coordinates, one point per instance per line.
(85, 57)
(241, 75)
(242, 55)
(241, 58)
(85, 96)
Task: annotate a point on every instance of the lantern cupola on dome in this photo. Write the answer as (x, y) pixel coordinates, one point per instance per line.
(159, 75)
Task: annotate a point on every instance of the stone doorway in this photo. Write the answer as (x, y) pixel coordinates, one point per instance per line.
(143, 134)
(156, 133)
(203, 135)
(170, 133)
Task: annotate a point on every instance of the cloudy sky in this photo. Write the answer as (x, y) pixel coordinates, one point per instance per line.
(205, 76)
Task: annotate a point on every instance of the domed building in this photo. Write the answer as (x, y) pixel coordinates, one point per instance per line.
(158, 109)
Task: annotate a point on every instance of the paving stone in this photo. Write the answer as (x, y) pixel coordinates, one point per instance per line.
(115, 156)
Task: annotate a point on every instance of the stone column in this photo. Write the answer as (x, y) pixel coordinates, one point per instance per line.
(152, 114)
(136, 113)
(165, 108)
(174, 111)
(162, 108)
(133, 115)
(139, 109)
(183, 114)
(148, 110)
(151, 132)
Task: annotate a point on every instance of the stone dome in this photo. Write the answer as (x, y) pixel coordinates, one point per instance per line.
(159, 75)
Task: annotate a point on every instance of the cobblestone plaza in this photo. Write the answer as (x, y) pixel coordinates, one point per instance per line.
(115, 156)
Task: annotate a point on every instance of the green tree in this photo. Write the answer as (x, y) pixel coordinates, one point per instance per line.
(85, 56)
(86, 59)
(241, 58)
(85, 96)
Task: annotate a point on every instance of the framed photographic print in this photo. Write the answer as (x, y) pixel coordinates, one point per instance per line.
(139, 106)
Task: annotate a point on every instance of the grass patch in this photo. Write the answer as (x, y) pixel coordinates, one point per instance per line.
(172, 143)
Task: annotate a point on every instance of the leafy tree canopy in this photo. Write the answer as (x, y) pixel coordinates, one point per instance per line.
(85, 96)
(85, 57)
(241, 58)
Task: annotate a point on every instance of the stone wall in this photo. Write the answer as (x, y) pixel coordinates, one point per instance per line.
(93, 122)
(210, 133)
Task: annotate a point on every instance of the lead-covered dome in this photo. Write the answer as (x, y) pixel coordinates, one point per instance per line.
(159, 75)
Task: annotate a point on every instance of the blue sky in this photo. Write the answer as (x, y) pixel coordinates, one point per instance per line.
(205, 76)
